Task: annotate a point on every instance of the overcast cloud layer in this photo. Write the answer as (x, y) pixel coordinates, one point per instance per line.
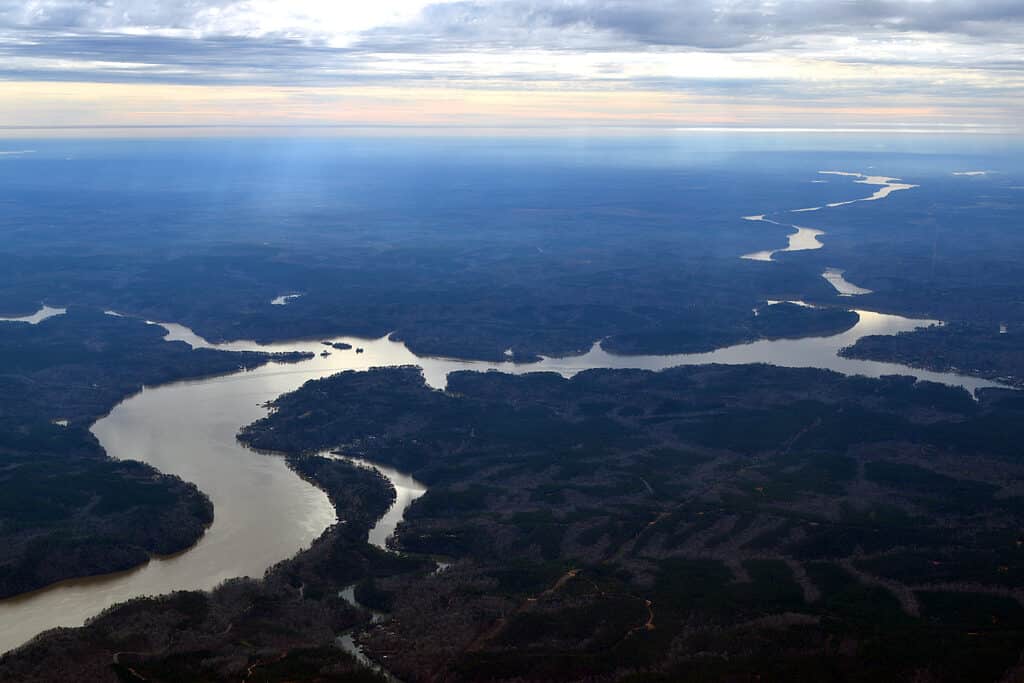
(948, 55)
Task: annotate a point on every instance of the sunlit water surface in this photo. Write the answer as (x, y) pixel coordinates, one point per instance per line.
(264, 513)
(45, 312)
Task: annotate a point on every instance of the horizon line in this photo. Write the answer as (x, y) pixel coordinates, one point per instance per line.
(951, 128)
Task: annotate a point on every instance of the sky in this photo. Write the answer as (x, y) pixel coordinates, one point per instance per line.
(193, 65)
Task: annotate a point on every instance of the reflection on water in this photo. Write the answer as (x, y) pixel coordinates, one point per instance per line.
(348, 644)
(407, 490)
(803, 239)
(841, 284)
(887, 187)
(284, 299)
(348, 594)
(37, 317)
(265, 513)
(814, 352)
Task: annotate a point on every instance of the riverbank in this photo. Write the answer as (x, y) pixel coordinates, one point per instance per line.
(69, 510)
(224, 633)
(595, 519)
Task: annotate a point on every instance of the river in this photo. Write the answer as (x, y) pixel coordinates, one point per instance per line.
(44, 313)
(806, 239)
(264, 513)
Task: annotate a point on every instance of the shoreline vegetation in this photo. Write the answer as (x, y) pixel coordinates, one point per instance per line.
(29, 563)
(977, 350)
(68, 510)
(832, 487)
(699, 523)
(593, 521)
(282, 626)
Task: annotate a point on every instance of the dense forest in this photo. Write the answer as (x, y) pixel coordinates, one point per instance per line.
(281, 628)
(992, 351)
(66, 510)
(702, 523)
(420, 243)
(706, 523)
(695, 523)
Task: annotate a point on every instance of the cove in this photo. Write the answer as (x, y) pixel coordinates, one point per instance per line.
(265, 513)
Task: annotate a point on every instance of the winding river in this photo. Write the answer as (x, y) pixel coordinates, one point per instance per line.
(44, 313)
(805, 239)
(264, 513)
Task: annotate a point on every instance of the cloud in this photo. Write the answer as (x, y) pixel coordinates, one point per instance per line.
(934, 53)
(584, 24)
(703, 24)
(120, 57)
(304, 20)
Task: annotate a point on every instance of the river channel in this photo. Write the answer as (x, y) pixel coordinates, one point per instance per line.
(265, 513)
